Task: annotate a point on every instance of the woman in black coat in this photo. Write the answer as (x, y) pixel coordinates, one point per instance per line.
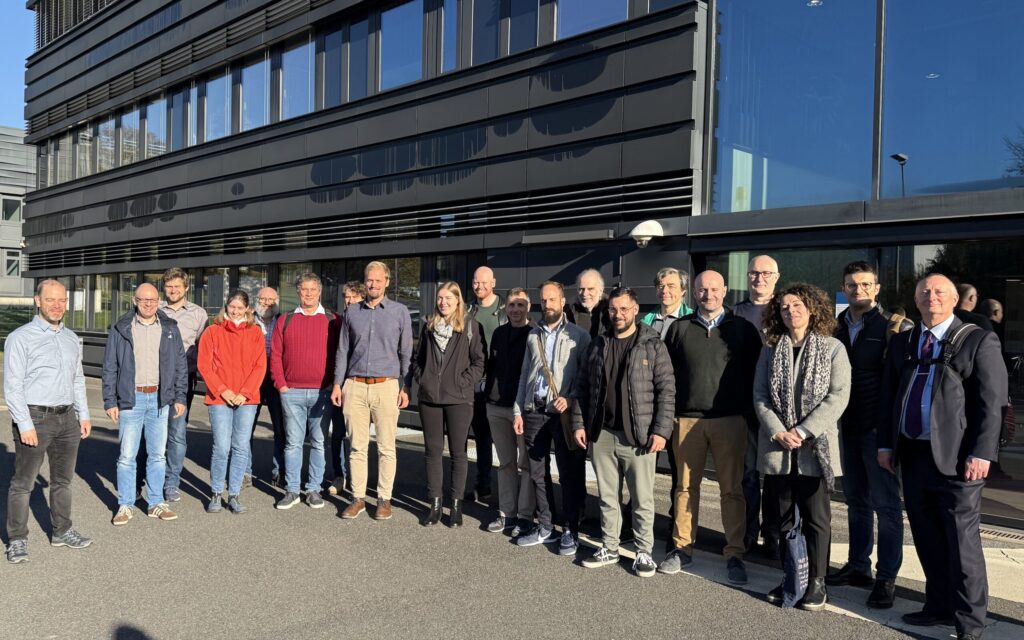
(448, 365)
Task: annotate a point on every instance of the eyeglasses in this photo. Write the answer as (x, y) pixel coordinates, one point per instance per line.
(863, 286)
(147, 300)
(764, 274)
(267, 300)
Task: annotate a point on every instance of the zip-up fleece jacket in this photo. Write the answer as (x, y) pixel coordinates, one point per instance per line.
(232, 357)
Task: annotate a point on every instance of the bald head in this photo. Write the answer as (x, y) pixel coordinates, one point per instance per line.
(709, 288)
(935, 297)
(146, 300)
(267, 300)
(483, 286)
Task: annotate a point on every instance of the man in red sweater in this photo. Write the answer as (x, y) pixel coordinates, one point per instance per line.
(301, 363)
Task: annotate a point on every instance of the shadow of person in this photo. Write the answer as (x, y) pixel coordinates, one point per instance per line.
(97, 464)
(129, 632)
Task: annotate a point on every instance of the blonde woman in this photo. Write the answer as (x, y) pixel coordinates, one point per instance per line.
(233, 362)
(448, 365)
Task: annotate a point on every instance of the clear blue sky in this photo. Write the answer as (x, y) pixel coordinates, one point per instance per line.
(17, 42)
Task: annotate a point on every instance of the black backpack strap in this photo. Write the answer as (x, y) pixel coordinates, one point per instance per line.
(287, 319)
(953, 344)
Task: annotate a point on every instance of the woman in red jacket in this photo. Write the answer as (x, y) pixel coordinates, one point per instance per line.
(232, 361)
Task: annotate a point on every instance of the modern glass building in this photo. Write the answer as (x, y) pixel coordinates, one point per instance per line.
(249, 140)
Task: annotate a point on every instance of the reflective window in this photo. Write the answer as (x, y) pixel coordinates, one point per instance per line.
(578, 16)
(102, 302)
(251, 280)
(42, 165)
(522, 25)
(212, 290)
(183, 118)
(75, 317)
(156, 127)
(953, 98)
(63, 155)
(86, 160)
(297, 80)
(12, 263)
(401, 44)
(793, 122)
(126, 283)
(333, 73)
(130, 137)
(358, 59)
(486, 30)
(658, 5)
(12, 210)
(105, 159)
(449, 35)
(287, 277)
(218, 107)
(255, 94)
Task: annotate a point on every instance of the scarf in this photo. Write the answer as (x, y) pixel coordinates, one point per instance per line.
(815, 374)
(442, 333)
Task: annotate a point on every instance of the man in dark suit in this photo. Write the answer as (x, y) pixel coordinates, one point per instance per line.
(942, 397)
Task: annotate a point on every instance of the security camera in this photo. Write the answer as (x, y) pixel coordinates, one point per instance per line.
(643, 232)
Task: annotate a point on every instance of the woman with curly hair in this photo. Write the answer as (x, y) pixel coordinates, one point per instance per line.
(801, 388)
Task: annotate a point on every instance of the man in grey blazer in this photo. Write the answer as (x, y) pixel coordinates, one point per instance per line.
(538, 414)
(942, 398)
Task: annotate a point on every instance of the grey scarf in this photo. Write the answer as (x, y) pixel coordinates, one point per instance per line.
(442, 333)
(815, 374)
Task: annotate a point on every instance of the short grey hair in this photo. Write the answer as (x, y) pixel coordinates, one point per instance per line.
(308, 276)
(590, 272)
(684, 277)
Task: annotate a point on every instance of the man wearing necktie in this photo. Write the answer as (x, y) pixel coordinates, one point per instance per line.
(940, 423)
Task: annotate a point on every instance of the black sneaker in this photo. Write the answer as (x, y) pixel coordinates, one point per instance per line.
(776, 595)
(816, 596)
(70, 538)
(643, 565)
(737, 572)
(847, 575)
(883, 595)
(287, 501)
(313, 500)
(601, 557)
(676, 560)
(17, 551)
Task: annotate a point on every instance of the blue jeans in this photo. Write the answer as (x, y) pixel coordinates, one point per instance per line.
(231, 427)
(305, 413)
(176, 438)
(148, 418)
(871, 490)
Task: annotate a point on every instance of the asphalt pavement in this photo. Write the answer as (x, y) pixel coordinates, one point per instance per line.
(306, 573)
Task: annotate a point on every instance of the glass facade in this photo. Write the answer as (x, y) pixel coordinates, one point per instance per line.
(251, 280)
(105, 135)
(297, 74)
(401, 44)
(358, 59)
(63, 154)
(183, 116)
(102, 302)
(86, 161)
(449, 35)
(952, 103)
(256, 94)
(11, 210)
(210, 291)
(486, 30)
(288, 276)
(126, 283)
(334, 75)
(156, 128)
(578, 16)
(522, 34)
(794, 89)
(129, 137)
(217, 113)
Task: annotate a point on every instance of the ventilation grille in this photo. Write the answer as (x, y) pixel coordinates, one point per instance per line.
(606, 204)
(209, 44)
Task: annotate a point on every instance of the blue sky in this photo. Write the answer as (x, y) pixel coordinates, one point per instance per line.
(15, 45)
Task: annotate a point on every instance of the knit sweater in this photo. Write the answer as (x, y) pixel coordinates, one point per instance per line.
(302, 350)
(232, 357)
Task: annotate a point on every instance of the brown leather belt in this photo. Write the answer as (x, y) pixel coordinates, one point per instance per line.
(370, 380)
(152, 389)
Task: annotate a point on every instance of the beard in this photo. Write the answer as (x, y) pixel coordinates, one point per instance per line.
(551, 317)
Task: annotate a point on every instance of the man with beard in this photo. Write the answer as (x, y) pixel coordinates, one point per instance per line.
(590, 311)
(267, 302)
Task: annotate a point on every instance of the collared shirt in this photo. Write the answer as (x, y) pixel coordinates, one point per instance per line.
(711, 323)
(43, 367)
(854, 326)
(550, 339)
(375, 342)
(146, 346)
(268, 330)
(192, 320)
(662, 322)
(320, 311)
(939, 332)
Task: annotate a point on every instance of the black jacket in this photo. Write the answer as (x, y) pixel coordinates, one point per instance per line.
(593, 322)
(714, 369)
(649, 380)
(449, 378)
(968, 398)
(505, 357)
(867, 362)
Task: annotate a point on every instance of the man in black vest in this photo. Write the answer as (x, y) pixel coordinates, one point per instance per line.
(942, 400)
(865, 329)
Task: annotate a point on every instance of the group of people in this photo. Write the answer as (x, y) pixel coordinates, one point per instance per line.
(785, 397)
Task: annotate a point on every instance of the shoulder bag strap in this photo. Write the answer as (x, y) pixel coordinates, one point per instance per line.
(544, 365)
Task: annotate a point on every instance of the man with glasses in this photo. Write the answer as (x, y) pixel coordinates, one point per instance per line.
(762, 276)
(144, 372)
(865, 330)
(44, 387)
(192, 320)
(670, 285)
(266, 315)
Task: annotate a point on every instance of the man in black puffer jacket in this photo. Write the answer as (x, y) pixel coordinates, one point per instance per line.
(626, 410)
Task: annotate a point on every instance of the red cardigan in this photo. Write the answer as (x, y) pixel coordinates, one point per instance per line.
(233, 358)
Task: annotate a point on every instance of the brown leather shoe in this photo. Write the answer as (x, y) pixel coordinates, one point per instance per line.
(383, 511)
(351, 511)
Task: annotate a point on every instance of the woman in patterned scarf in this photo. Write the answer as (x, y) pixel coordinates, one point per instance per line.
(801, 388)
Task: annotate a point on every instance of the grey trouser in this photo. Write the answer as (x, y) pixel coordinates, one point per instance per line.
(515, 494)
(615, 459)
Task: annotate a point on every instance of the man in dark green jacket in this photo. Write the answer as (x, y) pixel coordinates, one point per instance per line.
(625, 409)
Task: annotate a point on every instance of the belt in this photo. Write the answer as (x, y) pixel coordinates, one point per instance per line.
(152, 389)
(370, 380)
(58, 410)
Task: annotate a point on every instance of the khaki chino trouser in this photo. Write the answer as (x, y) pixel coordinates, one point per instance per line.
(727, 439)
(615, 460)
(376, 403)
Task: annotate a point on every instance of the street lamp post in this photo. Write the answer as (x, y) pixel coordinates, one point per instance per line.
(902, 159)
